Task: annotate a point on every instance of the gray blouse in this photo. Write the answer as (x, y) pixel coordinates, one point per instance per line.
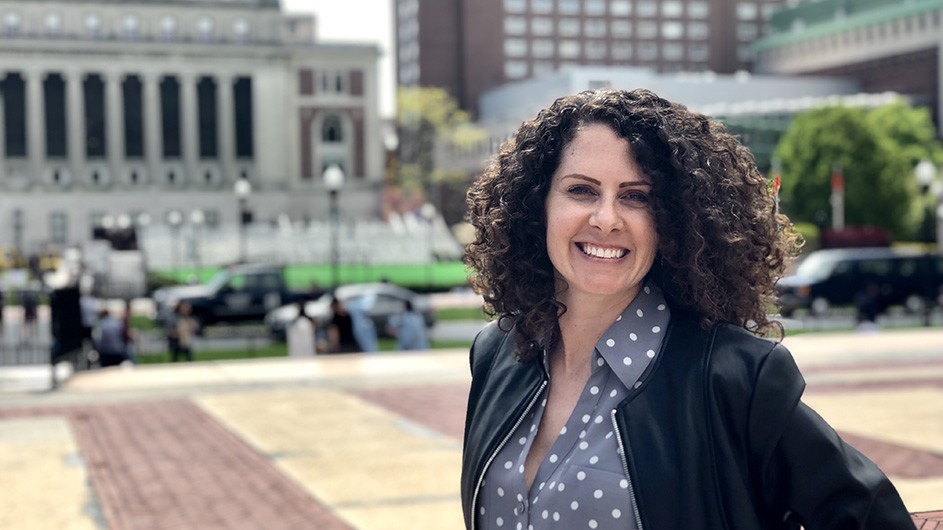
(581, 482)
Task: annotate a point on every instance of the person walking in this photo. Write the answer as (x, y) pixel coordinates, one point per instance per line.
(109, 340)
(184, 328)
(409, 328)
(300, 334)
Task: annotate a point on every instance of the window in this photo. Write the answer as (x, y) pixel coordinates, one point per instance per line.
(620, 8)
(698, 52)
(58, 228)
(647, 51)
(542, 67)
(671, 9)
(515, 6)
(130, 26)
(621, 28)
(622, 51)
(204, 28)
(168, 27)
(698, 9)
(240, 29)
(698, 31)
(647, 8)
(93, 23)
(514, 25)
(569, 27)
(672, 30)
(595, 27)
(541, 26)
(595, 7)
(569, 49)
(542, 48)
(647, 29)
(569, 7)
(672, 51)
(12, 20)
(515, 69)
(53, 23)
(596, 50)
(515, 47)
(746, 11)
(747, 32)
(541, 6)
(331, 131)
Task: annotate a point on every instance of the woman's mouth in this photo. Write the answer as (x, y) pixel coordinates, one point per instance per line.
(602, 252)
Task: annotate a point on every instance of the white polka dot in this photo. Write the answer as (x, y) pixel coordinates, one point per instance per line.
(520, 469)
(523, 440)
(581, 475)
(533, 427)
(593, 523)
(500, 492)
(594, 390)
(609, 435)
(597, 494)
(574, 505)
(618, 318)
(553, 484)
(508, 464)
(542, 484)
(616, 513)
(633, 336)
(543, 403)
(556, 516)
(594, 459)
(650, 353)
(598, 419)
(614, 393)
(627, 361)
(656, 329)
(640, 313)
(545, 514)
(624, 484)
(600, 361)
(661, 307)
(482, 510)
(563, 430)
(648, 290)
(553, 459)
(586, 418)
(520, 497)
(500, 521)
(583, 433)
(584, 444)
(637, 384)
(561, 487)
(610, 343)
(520, 526)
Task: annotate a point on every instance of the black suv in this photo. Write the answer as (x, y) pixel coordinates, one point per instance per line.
(836, 277)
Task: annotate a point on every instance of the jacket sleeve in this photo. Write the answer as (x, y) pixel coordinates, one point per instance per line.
(805, 468)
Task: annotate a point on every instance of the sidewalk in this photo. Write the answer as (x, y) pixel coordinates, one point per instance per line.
(367, 442)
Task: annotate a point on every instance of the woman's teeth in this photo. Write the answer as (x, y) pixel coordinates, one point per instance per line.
(601, 252)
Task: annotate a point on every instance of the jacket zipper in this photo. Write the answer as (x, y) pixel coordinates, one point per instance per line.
(481, 478)
(625, 467)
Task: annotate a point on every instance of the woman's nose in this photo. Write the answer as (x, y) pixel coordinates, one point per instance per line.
(606, 216)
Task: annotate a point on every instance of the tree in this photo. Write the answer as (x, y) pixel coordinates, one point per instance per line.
(878, 182)
(426, 116)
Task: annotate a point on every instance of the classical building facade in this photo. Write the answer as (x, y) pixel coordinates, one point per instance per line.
(470, 46)
(145, 110)
(884, 44)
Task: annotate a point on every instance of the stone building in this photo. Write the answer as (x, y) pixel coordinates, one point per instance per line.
(139, 111)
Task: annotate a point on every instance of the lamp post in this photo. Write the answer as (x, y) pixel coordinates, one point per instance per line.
(197, 218)
(242, 188)
(333, 178)
(926, 173)
(174, 219)
(428, 212)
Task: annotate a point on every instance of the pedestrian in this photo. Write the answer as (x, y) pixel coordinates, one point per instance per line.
(409, 328)
(300, 334)
(185, 327)
(109, 340)
(340, 330)
(629, 248)
(869, 307)
(29, 301)
(88, 312)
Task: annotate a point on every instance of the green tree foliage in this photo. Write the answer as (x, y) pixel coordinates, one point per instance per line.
(876, 151)
(424, 116)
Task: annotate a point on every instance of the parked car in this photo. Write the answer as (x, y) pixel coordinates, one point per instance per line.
(379, 301)
(836, 277)
(236, 294)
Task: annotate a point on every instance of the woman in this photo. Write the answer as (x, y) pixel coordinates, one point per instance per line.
(630, 250)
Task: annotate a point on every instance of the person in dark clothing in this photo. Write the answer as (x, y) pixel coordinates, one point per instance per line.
(340, 330)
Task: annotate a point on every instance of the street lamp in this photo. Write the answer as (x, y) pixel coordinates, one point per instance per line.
(428, 212)
(926, 174)
(333, 178)
(174, 219)
(197, 218)
(242, 188)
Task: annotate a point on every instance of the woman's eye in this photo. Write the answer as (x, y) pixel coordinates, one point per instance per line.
(579, 190)
(637, 197)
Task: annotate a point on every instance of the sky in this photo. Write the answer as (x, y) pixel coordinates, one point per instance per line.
(357, 21)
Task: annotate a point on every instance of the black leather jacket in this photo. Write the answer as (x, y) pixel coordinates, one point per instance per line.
(714, 438)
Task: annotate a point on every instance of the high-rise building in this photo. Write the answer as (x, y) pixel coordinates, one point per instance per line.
(138, 109)
(470, 46)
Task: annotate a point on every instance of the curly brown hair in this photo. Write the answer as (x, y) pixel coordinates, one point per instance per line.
(721, 248)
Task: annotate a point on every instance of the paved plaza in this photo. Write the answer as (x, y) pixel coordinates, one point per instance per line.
(369, 442)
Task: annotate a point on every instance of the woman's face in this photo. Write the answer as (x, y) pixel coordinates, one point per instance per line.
(601, 234)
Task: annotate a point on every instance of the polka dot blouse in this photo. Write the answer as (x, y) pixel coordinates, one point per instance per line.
(581, 482)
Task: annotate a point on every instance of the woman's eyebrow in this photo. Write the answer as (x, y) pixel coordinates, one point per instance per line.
(627, 184)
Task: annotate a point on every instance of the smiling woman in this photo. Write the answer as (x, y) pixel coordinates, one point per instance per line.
(629, 248)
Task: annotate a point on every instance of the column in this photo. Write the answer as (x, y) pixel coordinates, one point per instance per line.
(35, 123)
(114, 126)
(226, 126)
(152, 123)
(75, 123)
(189, 123)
